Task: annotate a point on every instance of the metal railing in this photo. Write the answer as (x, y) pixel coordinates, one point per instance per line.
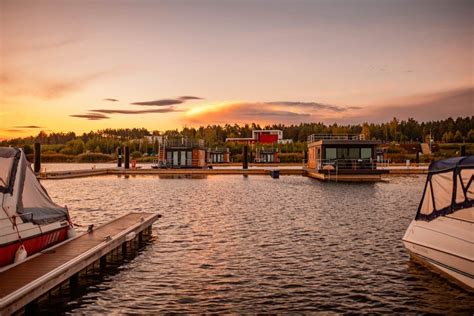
(346, 164)
(316, 137)
(184, 142)
(171, 163)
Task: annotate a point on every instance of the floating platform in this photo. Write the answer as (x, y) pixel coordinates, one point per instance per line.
(25, 282)
(346, 175)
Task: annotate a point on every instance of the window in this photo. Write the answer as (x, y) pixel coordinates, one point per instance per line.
(366, 153)
(354, 153)
(331, 153)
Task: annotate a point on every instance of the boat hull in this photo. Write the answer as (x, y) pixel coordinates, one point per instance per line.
(444, 245)
(32, 244)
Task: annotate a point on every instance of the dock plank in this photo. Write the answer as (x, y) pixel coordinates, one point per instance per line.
(22, 275)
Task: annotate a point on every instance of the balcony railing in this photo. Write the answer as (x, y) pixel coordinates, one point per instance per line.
(185, 142)
(316, 137)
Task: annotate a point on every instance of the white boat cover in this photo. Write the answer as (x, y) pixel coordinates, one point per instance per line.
(449, 187)
(22, 194)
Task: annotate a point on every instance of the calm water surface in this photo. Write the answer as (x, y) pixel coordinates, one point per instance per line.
(235, 244)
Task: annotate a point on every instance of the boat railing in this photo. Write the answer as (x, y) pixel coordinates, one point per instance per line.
(316, 137)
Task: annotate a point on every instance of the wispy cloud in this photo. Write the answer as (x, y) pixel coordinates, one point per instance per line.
(15, 84)
(422, 107)
(28, 126)
(117, 111)
(162, 102)
(189, 97)
(111, 99)
(244, 112)
(91, 116)
(309, 105)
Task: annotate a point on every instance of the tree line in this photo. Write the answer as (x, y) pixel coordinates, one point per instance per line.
(107, 140)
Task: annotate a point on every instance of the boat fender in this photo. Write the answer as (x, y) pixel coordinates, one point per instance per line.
(130, 236)
(20, 254)
(71, 232)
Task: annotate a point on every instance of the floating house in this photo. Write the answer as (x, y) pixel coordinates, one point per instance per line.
(184, 153)
(342, 158)
(265, 136)
(218, 155)
(266, 155)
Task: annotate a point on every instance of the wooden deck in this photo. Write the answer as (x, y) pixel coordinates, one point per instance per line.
(42, 272)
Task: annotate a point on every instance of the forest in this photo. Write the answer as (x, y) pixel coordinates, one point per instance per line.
(459, 130)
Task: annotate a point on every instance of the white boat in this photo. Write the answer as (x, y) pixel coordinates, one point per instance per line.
(29, 220)
(442, 234)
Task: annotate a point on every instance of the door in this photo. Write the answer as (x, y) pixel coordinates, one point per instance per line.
(175, 158)
(183, 158)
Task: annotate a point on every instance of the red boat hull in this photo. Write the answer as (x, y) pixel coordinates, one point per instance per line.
(33, 245)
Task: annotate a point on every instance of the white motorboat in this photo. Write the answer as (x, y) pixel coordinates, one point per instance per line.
(442, 234)
(29, 220)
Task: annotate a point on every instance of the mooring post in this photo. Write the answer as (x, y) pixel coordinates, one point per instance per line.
(103, 263)
(73, 284)
(127, 157)
(119, 155)
(417, 160)
(305, 153)
(463, 150)
(37, 167)
(245, 162)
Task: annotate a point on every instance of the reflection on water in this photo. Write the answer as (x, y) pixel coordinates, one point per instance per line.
(236, 244)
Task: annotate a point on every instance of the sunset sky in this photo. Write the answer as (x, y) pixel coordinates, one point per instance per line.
(86, 65)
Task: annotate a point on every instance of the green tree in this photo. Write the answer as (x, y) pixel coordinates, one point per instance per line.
(458, 137)
(448, 137)
(470, 136)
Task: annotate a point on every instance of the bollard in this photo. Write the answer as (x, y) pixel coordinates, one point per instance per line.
(463, 150)
(119, 160)
(37, 167)
(127, 158)
(245, 162)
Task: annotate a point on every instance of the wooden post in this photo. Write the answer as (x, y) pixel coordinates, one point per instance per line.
(417, 157)
(103, 263)
(245, 163)
(305, 157)
(119, 154)
(37, 167)
(127, 157)
(463, 150)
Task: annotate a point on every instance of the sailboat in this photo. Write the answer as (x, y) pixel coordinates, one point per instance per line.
(29, 220)
(442, 234)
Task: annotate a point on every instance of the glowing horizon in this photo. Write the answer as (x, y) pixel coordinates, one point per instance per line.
(168, 64)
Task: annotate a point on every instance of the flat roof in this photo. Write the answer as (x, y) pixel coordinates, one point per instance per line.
(345, 142)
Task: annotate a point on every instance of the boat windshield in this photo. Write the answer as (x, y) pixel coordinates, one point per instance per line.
(449, 187)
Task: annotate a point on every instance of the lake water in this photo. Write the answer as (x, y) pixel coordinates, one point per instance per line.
(254, 244)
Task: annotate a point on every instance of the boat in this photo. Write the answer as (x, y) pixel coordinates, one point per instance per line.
(442, 234)
(155, 164)
(29, 220)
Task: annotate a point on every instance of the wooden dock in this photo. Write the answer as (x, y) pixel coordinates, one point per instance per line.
(22, 284)
(162, 172)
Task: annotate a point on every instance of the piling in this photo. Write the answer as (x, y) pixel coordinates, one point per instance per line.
(37, 166)
(417, 157)
(127, 157)
(119, 154)
(463, 150)
(245, 162)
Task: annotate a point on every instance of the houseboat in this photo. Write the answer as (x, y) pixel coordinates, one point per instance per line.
(441, 236)
(265, 154)
(218, 155)
(29, 220)
(342, 158)
(185, 153)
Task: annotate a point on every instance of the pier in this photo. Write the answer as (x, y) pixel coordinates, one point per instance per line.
(22, 284)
